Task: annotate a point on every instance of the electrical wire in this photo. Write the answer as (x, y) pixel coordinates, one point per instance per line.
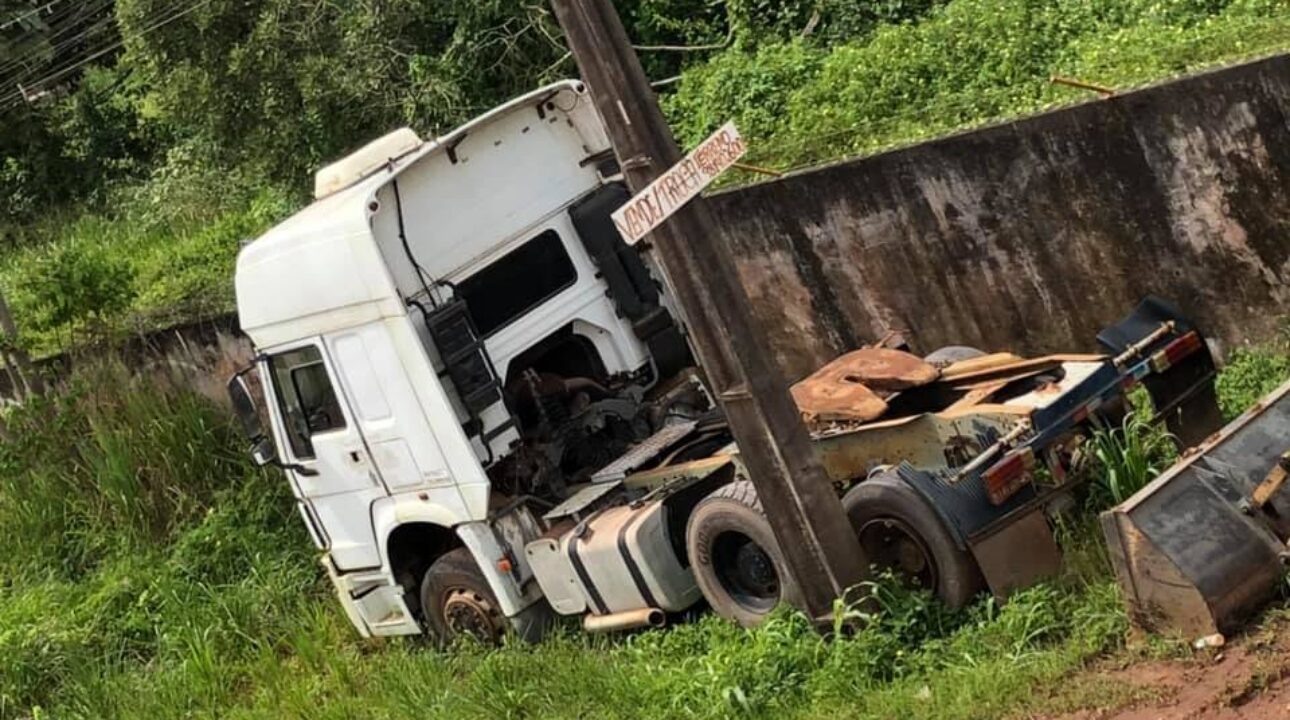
(34, 11)
(63, 28)
(422, 274)
(18, 71)
(43, 57)
(7, 101)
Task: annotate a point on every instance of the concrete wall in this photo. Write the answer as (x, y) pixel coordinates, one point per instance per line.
(202, 354)
(1031, 235)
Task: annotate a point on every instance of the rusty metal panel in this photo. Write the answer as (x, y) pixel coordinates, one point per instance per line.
(1019, 555)
(929, 441)
(692, 470)
(1191, 550)
(850, 388)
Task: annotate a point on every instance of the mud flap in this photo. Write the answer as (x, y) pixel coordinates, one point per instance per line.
(1194, 552)
(1020, 554)
(1183, 395)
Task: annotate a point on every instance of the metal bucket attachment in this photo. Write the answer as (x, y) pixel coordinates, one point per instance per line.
(1203, 546)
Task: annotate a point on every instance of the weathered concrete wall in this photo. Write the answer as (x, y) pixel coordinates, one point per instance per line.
(202, 354)
(1034, 234)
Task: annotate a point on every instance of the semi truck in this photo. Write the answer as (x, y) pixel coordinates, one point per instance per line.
(488, 410)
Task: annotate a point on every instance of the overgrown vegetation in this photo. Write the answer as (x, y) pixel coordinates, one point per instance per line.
(151, 571)
(1252, 373)
(1128, 457)
(140, 172)
(963, 63)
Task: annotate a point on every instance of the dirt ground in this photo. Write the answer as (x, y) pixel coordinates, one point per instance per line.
(1246, 679)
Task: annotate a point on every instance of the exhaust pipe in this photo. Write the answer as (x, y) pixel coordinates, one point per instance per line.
(626, 620)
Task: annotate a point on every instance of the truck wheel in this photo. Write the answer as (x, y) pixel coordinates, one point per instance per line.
(898, 530)
(457, 602)
(736, 561)
(950, 354)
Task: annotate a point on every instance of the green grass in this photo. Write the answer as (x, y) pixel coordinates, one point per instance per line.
(967, 63)
(151, 572)
(1252, 373)
(163, 255)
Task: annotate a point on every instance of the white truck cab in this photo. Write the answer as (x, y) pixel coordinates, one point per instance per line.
(453, 325)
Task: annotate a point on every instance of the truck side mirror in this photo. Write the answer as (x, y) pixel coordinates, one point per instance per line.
(244, 407)
(264, 452)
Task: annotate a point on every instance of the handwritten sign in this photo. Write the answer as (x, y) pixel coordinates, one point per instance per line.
(684, 180)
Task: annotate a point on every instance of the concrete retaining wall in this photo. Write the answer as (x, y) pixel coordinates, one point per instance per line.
(1032, 235)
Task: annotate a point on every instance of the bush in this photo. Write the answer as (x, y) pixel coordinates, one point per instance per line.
(165, 255)
(1250, 374)
(74, 285)
(964, 63)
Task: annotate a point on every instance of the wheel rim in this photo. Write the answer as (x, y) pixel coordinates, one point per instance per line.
(745, 571)
(466, 612)
(889, 543)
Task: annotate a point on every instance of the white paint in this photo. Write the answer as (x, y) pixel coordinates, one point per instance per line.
(336, 276)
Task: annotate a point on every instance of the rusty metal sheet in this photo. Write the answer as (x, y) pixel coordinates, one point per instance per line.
(692, 470)
(1001, 365)
(1192, 551)
(850, 387)
(929, 441)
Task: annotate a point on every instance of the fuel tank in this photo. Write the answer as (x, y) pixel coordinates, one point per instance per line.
(621, 558)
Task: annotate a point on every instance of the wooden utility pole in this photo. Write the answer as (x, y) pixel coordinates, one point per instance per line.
(804, 512)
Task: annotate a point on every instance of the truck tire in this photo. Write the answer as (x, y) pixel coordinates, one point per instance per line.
(950, 354)
(457, 602)
(899, 530)
(736, 562)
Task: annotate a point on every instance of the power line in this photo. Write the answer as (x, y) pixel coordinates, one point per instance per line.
(35, 11)
(7, 101)
(19, 70)
(36, 52)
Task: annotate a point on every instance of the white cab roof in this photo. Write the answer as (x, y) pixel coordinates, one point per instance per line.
(321, 269)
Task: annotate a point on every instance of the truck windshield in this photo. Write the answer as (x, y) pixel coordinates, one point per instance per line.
(520, 281)
(305, 397)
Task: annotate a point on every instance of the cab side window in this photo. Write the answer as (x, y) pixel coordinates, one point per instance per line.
(306, 398)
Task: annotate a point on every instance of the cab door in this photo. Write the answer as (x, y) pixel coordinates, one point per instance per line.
(320, 433)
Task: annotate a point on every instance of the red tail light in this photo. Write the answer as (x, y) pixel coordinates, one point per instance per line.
(1006, 477)
(1175, 351)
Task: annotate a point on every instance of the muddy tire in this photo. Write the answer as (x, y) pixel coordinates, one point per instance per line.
(736, 561)
(950, 354)
(898, 530)
(457, 602)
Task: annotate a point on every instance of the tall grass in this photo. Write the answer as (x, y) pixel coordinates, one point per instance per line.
(152, 572)
(1127, 458)
(113, 461)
